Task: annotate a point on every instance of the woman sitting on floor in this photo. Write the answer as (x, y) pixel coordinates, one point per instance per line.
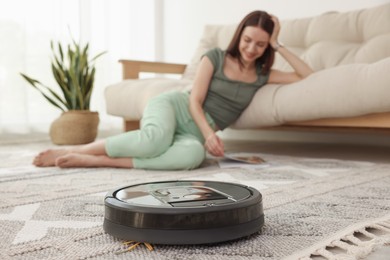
(178, 127)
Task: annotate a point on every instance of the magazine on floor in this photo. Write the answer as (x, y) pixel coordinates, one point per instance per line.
(242, 160)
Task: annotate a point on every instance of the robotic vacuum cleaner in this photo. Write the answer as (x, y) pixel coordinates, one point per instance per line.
(183, 212)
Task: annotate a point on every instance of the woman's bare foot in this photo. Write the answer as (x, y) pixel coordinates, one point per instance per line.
(85, 160)
(77, 160)
(48, 158)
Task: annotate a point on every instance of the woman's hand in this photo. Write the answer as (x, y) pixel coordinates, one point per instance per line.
(301, 69)
(214, 145)
(275, 34)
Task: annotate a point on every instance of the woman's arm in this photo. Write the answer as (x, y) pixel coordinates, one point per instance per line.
(301, 69)
(213, 143)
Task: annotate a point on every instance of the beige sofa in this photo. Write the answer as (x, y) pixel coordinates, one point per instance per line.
(350, 53)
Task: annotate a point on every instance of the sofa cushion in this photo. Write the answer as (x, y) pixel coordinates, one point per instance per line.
(343, 91)
(128, 98)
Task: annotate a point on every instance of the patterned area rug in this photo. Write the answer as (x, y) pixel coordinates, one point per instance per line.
(312, 207)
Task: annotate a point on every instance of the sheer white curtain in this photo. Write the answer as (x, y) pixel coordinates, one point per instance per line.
(123, 28)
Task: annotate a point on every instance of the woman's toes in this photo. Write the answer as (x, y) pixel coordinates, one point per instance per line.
(48, 158)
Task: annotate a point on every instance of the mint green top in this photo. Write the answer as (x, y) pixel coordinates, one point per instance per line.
(226, 98)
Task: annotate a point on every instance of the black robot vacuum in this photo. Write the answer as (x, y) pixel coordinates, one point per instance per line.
(183, 212)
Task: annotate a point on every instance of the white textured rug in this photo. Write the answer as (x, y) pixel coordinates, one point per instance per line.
(310, 206)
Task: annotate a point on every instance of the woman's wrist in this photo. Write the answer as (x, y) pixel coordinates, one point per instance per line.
(209, 136)
(277, 45)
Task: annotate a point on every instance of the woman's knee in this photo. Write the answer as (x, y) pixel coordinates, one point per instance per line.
(153, 141)
(150, 141)
(185, 155)
(190, 156)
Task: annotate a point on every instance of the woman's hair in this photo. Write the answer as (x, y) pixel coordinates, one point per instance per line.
(262, 20)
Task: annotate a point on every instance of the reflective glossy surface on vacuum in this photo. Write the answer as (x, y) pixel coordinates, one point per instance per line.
(182, 193)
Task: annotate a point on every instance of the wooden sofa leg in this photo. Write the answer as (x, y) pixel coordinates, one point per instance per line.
(130, 125)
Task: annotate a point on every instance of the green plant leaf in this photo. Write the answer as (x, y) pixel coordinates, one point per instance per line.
(29, 80)
(77, 90)
(97, 56)
(89, 86)
(35, 84)
(61, 52)
(62, 82)
(73, 72)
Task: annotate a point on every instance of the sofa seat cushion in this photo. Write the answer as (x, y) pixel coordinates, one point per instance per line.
(128, 98)
(343, 91)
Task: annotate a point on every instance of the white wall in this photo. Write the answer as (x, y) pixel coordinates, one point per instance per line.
(183, 20)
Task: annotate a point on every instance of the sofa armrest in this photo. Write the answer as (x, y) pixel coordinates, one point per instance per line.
(132, 68)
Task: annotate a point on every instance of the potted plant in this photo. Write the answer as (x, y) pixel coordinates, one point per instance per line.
(74, 74)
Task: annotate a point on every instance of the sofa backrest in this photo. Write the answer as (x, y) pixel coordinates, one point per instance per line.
(324, 41)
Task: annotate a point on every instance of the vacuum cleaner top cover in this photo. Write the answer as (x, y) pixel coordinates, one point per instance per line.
(183, 212)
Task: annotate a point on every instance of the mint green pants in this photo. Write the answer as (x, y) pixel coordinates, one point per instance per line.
(168, 138)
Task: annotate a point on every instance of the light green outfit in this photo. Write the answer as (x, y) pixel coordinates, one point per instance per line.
(168, 138)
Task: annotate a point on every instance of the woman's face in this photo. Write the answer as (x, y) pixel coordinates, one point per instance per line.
(253, 43)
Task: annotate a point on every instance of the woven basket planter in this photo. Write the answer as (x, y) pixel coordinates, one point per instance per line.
(75, 127)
